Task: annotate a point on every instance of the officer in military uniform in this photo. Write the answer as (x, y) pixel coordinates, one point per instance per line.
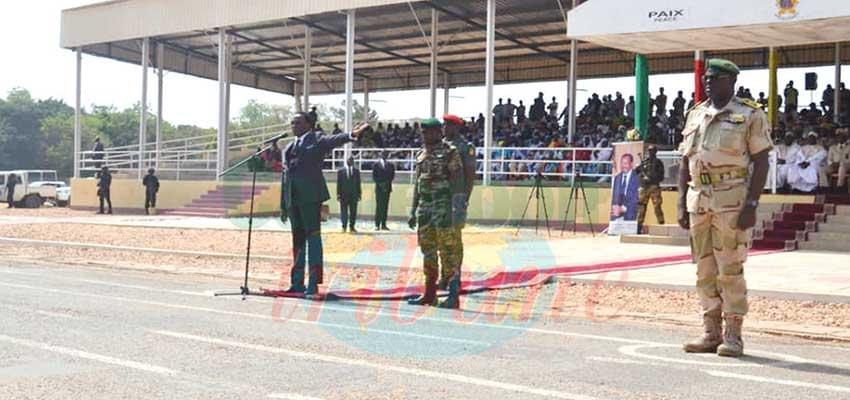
(724, 136)
(451, 135)
(651, 172)
(436, 208)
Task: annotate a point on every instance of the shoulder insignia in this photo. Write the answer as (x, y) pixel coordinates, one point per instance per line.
(697, 105)
(750, 103)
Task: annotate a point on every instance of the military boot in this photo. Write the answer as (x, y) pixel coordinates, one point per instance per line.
(429, 298)
(711, 338)
(453, 299)
(733, 345)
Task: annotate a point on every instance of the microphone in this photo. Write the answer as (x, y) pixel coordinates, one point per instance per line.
(275, 138)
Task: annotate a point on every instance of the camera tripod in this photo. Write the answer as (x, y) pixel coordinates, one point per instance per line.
(539, 196)
(573, 203)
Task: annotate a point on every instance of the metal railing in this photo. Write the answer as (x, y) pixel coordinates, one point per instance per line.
(561, 164)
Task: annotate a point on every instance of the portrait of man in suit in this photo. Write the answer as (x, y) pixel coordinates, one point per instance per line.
(624, 194)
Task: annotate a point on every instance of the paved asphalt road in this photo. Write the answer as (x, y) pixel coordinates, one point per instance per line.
(74, 333)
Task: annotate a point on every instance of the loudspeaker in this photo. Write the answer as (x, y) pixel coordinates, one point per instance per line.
(811, 81)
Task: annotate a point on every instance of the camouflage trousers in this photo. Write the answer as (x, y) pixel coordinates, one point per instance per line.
(720, 250)
(447, 272)
(646, 193)
(440, 246)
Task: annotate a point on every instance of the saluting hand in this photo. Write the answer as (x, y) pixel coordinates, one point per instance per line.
(359, 129)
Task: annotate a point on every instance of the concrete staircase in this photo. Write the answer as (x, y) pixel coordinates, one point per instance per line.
(667, 235)
(779, 227)
(218, 202)
(833, 234)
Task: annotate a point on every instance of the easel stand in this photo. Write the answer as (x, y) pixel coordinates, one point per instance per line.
(573, 203)
(539, 196)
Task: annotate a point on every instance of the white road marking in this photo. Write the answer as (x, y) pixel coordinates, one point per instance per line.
(754, 378)
(626, 361)
(441, 339)
(89, 356)
(728, 362)
(56, 314)
(115, 284)
(381, 367)
(291, 396)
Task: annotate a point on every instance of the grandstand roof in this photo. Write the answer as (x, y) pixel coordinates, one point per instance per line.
(391, 50)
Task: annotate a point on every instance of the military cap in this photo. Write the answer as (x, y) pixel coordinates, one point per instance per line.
(430, 123)
(719, 66)
(452, 119)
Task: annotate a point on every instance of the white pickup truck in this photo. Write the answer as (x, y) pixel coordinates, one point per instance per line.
(34, 188)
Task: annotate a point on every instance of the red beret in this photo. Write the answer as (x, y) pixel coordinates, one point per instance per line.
(453, 119)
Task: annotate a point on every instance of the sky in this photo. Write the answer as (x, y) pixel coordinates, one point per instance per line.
(29, 37)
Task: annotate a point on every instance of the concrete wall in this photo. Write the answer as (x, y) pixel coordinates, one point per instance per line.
(496, 204)
(129, 194)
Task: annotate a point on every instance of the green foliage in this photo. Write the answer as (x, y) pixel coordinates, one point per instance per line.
(39, 134)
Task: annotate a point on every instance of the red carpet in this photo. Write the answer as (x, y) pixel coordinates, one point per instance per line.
(787, 225)
(499, 280)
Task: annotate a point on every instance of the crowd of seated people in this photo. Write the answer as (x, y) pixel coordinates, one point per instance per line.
(526, 139)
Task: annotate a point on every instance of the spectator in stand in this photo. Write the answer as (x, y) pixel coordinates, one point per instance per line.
(630, 108)
(786, 154)
(679, 105)
(508, 113)
(313, 115)
(97, 153)
(520, 113)
(691, 102)
(790, 98)
(538, 109)
(619, 105)
(828, 99)
(763, 101)
(498, 111)
(661, 102)
(553, 109)
(336, 130)
(837, 162)
(805, 169)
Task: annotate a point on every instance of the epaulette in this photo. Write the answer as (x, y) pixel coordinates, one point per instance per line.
(749, 103)
(696, 105)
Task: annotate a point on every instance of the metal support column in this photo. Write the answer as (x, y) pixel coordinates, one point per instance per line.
(490, 73)
(78, 114)
(435, 21)
(223, 100)
(641, 95)
(308, 61)
(446, 94)
(773, 90)
(160, 61)
(699, 70)
(143, 113)
(571, 101)
(349, 76)
(837, 100)
(297, 89)
(366, 100)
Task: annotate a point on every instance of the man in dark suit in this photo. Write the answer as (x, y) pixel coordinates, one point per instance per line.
(624, 197)
(348, 194)
(303, 190)
(383, 174)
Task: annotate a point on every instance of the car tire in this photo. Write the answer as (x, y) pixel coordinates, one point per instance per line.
(33, 201)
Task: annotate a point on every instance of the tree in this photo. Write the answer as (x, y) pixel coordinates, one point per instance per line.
(257, 115)
(358, 111)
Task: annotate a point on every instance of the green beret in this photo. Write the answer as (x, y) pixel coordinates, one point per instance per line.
(431, 123)
(719, 66)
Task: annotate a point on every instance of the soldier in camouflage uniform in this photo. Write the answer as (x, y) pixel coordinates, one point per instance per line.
(718, 197)
(651, 172)
(451, 135)
(438, 181)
